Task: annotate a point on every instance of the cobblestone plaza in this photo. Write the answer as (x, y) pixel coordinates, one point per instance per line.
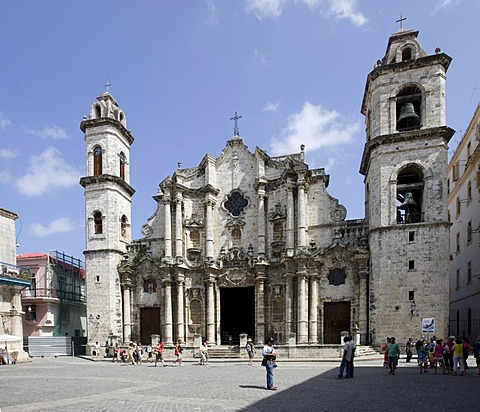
(73, 384)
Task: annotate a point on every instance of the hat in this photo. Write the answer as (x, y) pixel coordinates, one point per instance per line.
(452, 337)
(249, 340)
(271, 339)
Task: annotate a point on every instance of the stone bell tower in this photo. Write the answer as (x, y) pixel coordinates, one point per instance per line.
(405, 167)
(108, 197)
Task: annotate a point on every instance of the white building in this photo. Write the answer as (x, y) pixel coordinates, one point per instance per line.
(464, 213)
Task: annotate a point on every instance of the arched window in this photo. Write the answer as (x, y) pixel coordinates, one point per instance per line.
(410, 195)
(98, 111)
(123, 226)
(98, 222)
(409, 104)
(406, 54)
(97, 161)
(123, 161)
(469, 190)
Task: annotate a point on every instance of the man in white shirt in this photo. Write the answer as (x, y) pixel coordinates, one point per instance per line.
(346, 358)
(269, 357)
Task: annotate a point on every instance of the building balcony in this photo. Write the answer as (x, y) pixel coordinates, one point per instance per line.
(29, 295)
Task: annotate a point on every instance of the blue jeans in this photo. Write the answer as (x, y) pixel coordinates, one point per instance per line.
(344, 365)
(270, 366)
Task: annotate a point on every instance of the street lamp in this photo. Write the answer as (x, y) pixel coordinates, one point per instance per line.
(413, 307)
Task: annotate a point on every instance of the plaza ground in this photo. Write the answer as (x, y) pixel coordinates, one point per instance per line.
(74, 384)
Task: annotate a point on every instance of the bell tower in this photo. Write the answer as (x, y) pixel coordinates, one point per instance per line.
(108, 197)
(405, 167)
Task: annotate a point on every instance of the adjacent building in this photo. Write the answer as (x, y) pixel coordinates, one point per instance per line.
(464, 215)
(13, 279)
(247, 244)
(55, 302)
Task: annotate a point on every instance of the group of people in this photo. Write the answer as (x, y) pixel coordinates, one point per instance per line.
(450, 355)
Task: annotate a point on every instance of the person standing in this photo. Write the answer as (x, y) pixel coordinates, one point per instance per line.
(159, 353)
(204, 353)
(250, 349)
(96, 349)
(408, 350)
(458, 364)
(346, 358)
(422, 355)
(116, 351)
(269, 358)
(393, 353)
(178, 353)
(476, 354)
(353, 346)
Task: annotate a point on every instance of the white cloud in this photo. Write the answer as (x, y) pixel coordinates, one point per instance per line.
(346, 9)
(60, 225)
(7, 154)
(445, 4)
(53, 132)
(4, 122)
(265, 8)
(315, 127)
(47, 172)
(211, 18)
(339, 9)
(259, 58)
(271, 106)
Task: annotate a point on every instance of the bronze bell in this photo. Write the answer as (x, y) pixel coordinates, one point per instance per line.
(408, 117)
(408, 202)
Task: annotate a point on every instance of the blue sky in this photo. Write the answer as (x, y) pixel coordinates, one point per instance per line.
(294, 69)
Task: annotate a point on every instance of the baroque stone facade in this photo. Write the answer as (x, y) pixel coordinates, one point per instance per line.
(252, 244)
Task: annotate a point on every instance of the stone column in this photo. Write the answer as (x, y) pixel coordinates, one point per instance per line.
(217, 315)
(289, 327)
(261, 220)
(168, 312)
(127, 322)
(302, 315)
(180, 329)
(178, 226)
(168, 226)
(209, 204)
(260, 307)
(290, 225)
(210, 310)
(313, 324)
(363, 304)
(301, 213)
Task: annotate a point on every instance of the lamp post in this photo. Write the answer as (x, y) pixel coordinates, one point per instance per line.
(413, 307)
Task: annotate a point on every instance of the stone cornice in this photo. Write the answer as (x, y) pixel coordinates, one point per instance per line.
(87, 124)
(443, 132)
(91, 180)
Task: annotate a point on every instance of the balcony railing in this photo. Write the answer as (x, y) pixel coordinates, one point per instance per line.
(72, 296)
(404, 217)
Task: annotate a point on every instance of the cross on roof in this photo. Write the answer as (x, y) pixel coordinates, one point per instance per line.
(107, 86)
(401, 20)
(235, 124)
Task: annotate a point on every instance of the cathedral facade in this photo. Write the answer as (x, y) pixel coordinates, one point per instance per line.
(247, 244)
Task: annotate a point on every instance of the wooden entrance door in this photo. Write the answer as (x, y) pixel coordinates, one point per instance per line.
(336, 319)
(149, 324)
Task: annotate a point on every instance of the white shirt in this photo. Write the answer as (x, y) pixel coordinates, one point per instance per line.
(268, 350)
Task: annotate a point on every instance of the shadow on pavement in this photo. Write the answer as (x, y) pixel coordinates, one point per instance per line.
(373, 389)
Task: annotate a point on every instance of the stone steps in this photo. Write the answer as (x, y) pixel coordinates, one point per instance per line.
(223, 352)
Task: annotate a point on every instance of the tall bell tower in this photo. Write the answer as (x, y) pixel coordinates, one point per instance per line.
(108, 197)
(405, 167)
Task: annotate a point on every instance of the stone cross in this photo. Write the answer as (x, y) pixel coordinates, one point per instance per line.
(401, 20)
(107, 86)
(235, 124)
